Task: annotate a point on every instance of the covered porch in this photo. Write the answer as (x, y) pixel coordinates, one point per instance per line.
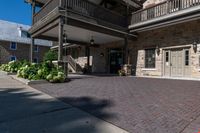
(100, 52)
(88, 24)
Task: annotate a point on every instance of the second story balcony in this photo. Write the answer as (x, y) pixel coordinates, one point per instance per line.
(165, 13)
(80, 21)
(80, 9)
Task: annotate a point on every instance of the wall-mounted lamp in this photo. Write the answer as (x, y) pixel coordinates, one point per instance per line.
(195, 46)
(157, 49)
(92, 41)
(102, 54)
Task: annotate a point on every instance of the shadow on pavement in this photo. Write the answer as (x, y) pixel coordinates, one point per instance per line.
(90, 105)
(33, 112)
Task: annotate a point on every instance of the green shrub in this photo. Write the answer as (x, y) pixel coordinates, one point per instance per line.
(46, 71)
(50, 56)
(122, 72)
(56, 76)
(12, 66)
(33, 71)
(29, 72)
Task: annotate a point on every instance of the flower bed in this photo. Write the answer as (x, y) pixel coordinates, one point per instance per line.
(32, 71)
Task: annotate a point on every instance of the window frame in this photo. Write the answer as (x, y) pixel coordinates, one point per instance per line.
(36, 59)
(25, 34)
(167, 56)
(37, 48)
(12, 57)
(187, 56)
(147, 65)
(11, 43)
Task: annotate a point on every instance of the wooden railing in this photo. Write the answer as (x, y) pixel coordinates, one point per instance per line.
(90, 9)
(47, 8)
(72, 62)
(85, 8)
(167, 7)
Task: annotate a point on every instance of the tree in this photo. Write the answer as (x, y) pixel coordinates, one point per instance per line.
(50, 56)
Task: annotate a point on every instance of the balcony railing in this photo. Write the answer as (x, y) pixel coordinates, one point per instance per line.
(84, 8)
(47, 8)
(167, 7)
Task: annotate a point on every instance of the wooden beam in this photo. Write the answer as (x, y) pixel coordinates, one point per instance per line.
(46, 28)
(68, 41)
(39, 4)
(98, 28)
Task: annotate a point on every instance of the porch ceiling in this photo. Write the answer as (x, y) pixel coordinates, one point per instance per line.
(82, 35)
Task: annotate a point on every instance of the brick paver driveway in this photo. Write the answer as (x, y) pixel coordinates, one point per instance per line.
(139, 105)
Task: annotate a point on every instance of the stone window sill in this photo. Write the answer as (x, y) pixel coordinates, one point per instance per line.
(149, 69)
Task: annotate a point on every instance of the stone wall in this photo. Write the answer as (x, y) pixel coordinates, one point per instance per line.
(99, 57)
(99, 60)
(22, 52)
(168, 37)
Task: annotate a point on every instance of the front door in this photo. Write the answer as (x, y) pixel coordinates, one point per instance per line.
(116, 60)
(177, 62)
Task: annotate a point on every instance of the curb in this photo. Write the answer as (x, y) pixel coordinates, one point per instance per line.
(28, 82)
(7, 73)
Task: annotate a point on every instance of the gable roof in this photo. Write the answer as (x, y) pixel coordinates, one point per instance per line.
(10, 31)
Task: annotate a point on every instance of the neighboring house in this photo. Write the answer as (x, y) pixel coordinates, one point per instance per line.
(157, 37)
(15, 43)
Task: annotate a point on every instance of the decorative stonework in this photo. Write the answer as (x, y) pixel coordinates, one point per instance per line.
(181, 35)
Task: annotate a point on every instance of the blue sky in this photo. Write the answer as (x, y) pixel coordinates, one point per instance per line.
(15, 11)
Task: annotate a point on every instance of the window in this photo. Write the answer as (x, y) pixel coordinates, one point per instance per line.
(35, 60)
(150, 58)
(167, 56)
(25, 34)
(187, 57)
(12, 58)
(13, 46)
(36, 48)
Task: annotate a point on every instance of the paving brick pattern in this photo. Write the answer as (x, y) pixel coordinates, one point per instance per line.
(139, 105)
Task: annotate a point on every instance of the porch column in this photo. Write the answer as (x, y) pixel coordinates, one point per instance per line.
(88, 57)
(126, 54)
(60, 39)
(32, 49)
(32, 39)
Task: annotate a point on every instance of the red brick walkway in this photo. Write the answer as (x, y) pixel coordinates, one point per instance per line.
(139, 105)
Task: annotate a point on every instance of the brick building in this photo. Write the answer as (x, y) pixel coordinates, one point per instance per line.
(157, 37)
(15, 43)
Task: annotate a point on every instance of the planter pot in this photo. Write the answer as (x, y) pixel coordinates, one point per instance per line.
(128, 69)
